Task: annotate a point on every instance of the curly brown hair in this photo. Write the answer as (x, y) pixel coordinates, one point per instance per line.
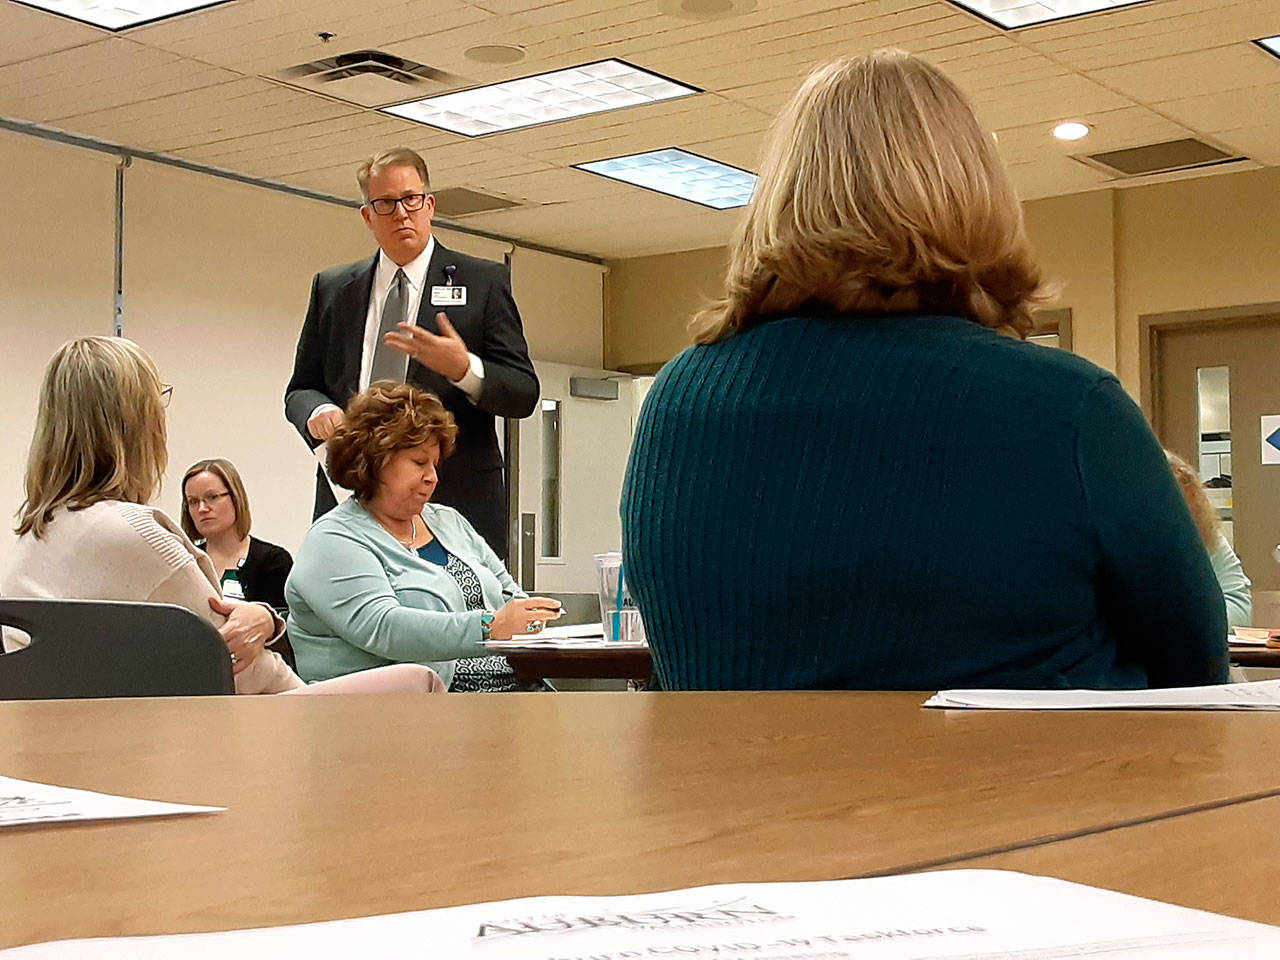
(378, 423)
(1202, 510)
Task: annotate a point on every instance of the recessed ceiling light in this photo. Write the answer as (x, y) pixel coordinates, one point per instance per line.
(706, 9)
(679, 173)
(1011, 14)
(543, 98)
(120, 14)
(1270, 44)
(1071, 130)
(495, 53)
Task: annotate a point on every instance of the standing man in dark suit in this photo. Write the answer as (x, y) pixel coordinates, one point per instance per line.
(420, 313)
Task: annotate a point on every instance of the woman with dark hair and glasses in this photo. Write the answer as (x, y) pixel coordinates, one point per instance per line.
(215, 515)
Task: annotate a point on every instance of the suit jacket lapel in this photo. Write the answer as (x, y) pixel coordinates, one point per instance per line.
(352, 305)
(440, 256)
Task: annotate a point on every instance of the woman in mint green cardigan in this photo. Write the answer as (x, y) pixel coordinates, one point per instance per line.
(388, 577)
(863, 477)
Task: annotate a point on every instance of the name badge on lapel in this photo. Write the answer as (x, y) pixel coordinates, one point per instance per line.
(449, 296)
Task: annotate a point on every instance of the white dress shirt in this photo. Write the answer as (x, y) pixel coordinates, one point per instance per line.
(415, 272)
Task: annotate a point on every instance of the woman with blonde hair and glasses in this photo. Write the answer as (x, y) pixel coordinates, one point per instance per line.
(862, 476)
(85, 531)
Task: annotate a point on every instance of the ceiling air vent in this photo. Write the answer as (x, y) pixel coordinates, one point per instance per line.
(369, 78)
(453, 202)
(1159, 158)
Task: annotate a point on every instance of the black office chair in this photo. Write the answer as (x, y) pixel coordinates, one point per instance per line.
(107, 648)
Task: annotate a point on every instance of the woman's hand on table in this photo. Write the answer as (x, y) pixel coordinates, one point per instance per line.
(246, 630)
(523, 617)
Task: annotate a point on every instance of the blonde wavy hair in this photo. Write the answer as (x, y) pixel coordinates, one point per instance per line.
(880, 191)
(1202, 510)
(100, 431)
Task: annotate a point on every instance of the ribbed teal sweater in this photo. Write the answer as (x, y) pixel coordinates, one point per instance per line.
(909, 503)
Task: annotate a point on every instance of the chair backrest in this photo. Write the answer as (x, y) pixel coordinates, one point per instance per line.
(107, 648)
(578, 607)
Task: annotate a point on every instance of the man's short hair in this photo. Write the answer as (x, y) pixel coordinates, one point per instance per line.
(395, 157)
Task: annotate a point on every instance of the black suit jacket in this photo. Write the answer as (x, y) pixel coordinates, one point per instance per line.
(326, 369)
(262, 574)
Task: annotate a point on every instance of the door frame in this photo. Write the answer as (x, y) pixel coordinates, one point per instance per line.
(1056, 320)
(1151, 325)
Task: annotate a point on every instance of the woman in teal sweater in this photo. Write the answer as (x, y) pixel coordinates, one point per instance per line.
(389, 577)
(863, 477)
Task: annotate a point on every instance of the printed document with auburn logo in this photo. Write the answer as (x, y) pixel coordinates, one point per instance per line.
(956, 914)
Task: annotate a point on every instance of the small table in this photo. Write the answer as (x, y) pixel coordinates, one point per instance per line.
(603, 661)
(1254, 656)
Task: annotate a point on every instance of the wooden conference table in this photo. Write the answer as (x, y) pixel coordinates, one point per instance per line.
(1223, 859)
(349, 806)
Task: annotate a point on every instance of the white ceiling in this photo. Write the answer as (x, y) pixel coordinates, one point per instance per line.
(194, 87)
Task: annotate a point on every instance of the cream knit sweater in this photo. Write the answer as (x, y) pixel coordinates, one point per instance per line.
(126, 551)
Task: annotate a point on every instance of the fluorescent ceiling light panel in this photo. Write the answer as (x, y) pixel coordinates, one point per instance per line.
(679, 173)
(1270, 44)
(543, 98)
(1011, 14)
(122, 14)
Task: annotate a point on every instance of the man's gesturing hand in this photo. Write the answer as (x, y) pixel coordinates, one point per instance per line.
(445, 353)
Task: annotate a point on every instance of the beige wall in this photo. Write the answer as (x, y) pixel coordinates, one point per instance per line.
(56, 282)
(1201, 243)
(649, 301)
(216, 278)
(1194, 244)
(562, 305)
(1073, 242)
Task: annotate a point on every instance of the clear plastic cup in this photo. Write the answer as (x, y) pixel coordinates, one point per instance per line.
(618, 612)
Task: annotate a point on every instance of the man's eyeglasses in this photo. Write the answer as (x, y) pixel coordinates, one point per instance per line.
(386, 206)
(166, 394)
(193, 503)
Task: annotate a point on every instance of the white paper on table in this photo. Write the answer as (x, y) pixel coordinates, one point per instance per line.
(23, 802)
(579, 644)
(1261, 695)
(970, 914)
(1234, 639)
(573, 631)
(322, 457)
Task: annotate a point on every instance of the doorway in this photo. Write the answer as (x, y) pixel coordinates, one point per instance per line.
(1209, 377)
(573, 455)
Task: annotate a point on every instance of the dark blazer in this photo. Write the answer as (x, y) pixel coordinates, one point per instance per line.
(262, 575)
(326, 369)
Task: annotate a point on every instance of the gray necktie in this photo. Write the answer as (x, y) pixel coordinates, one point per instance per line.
(388, 362)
